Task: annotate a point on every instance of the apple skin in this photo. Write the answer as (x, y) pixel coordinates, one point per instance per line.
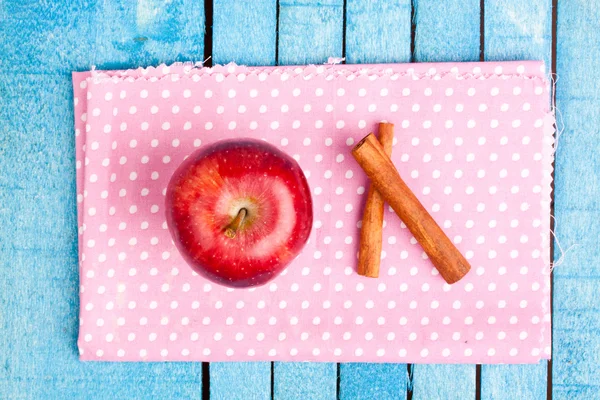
(212, 186)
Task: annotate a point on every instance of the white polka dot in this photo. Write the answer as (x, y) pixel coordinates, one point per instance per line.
(154, 109)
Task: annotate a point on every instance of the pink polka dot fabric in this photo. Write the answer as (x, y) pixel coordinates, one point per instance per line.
(474, 141)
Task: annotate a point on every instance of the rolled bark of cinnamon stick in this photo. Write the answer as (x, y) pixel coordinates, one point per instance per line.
(371, 156)
(369, 252)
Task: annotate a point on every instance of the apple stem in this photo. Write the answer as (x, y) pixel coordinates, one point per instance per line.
(236, 224)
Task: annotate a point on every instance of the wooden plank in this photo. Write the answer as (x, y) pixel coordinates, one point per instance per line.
(245, 32)
(44, 34)
(373, 381)
(524, 381)
(449, 381)
(41, 43)
(445, 31)
(576, 345)
(517, 30)
(576, 350)
(149, 33)
(376, 32)
(310, 31)
(315, 381)
(237, 380)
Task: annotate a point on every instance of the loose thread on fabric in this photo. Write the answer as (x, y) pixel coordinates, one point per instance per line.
(563, 253)
(559, 129)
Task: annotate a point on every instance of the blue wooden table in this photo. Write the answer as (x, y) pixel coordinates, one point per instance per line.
(42, 42)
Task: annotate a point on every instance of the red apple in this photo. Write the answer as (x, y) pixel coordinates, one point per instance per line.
(239, 211)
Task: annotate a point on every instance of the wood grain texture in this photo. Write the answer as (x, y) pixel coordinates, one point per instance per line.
(237, 380)
(63, 36)
(40, 44)
(446, 30)
(39, 288)
(366, 381)
(517, 30)
(34, 34)
(244, 32)
(447, 381)
(377, 31)
(315, 381)
(576, 349)
(310, 31)
(151, 32)
(520, 381)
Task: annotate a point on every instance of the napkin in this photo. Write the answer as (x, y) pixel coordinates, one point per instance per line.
(474, 141)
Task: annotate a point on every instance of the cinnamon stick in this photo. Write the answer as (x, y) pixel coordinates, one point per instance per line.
(371, 156)
(369, 253)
